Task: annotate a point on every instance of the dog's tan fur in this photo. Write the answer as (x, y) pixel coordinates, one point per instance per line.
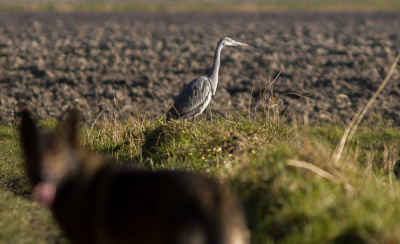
(96, 202)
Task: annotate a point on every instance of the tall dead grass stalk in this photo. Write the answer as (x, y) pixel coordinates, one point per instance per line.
(352, 127)
(273, 104)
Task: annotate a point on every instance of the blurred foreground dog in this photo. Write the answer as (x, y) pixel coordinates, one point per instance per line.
(95, 202)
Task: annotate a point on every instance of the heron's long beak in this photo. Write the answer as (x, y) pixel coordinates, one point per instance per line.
(239, 43)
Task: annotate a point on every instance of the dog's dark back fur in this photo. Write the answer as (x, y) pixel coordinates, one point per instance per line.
(98, 203)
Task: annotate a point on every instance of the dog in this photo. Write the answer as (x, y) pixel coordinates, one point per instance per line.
(99, 203)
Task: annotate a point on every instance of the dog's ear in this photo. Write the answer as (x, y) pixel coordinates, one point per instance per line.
(70, 127)
(28, 132)
(29, 140)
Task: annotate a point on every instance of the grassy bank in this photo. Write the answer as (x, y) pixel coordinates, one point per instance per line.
(304, 5)
(292, 190)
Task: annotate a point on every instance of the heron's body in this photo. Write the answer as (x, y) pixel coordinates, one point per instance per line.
(193, 99)
(196, 95)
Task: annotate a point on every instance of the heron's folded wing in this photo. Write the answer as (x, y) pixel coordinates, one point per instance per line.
(193, 95)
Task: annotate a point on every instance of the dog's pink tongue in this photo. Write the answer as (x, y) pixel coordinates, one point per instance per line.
(45, 193)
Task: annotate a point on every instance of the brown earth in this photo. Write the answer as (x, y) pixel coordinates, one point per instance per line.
(141, 61)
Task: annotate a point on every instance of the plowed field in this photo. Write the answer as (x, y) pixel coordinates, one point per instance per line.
(139, 62)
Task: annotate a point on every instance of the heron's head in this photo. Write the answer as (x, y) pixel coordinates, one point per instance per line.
(227, 41)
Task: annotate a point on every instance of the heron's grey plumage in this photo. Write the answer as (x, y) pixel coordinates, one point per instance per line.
(196, 95)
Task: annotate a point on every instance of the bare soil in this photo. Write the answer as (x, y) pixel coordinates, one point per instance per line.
(138, 62)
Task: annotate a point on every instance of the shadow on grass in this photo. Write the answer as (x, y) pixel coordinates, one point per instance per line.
(156, 141)
(111, 150)
(18, 186)
(365, 235)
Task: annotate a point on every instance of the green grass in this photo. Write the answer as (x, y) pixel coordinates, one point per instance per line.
(303, 5)
(21, 220)
(285, 204)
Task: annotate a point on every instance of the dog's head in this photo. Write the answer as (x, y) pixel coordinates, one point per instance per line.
(50, 157)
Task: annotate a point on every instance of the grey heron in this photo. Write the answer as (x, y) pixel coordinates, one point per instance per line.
(196, 95)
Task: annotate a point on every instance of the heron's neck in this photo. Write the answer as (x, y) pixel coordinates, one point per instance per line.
(215, 68)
